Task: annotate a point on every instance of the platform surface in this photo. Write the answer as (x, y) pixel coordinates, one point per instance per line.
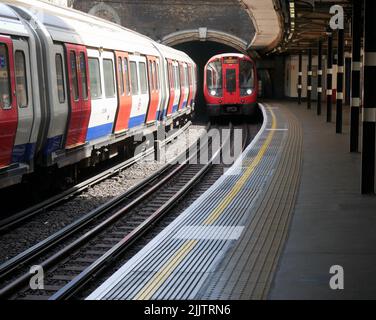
(270, 228)
(187, 255)
(332, 223)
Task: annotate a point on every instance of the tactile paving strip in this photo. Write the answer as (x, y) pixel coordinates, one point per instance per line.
(248, 268)
(178, 262)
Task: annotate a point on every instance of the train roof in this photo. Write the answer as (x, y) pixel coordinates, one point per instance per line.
(224, 55)
(10, 23)
(172, 53)
(72, 26)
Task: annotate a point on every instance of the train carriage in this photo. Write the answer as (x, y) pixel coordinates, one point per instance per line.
(230, 85)
(77, 88)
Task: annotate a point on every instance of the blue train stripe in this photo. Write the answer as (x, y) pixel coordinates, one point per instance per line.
(137, 121)
(175, 108)
(159, 115)
(23, 152)
(99, 131)
(52, 144)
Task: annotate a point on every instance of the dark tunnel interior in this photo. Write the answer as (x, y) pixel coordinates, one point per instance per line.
(201, 52)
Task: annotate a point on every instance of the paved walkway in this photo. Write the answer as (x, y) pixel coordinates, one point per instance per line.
(332, 223)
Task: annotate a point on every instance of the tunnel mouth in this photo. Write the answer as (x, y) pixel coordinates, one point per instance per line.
(201, 52)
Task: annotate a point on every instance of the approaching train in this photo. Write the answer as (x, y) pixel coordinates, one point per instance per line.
(230, 85)
(76, 89)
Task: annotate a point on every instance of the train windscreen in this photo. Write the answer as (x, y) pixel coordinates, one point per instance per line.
(231, 80)
(214, 78)
(246, 78)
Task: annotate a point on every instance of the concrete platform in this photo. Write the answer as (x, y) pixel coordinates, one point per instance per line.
(270, 228)
(332, 223)
(187, 255)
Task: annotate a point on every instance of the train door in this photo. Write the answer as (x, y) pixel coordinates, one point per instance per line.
(178, 91)
(190, 84)
(182, 85)
(171, 84)
(124, 93)
(8, 102)
(231, 82)
(161, 101)
(103, 94)
(80, 103)
(23, 152)
(140, 90)
(153, 89)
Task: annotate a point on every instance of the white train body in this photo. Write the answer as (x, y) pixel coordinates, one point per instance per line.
(73, 85)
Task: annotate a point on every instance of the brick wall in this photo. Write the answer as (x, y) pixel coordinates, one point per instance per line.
(158, 18)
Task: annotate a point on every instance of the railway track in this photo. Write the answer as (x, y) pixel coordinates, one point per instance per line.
(75, 255)
(24, 215)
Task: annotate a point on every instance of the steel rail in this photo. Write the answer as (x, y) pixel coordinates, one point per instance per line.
(37, 250)
(86, 275)
(41, 207)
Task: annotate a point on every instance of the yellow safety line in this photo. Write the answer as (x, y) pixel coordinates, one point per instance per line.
(161, 276)
(243, 180)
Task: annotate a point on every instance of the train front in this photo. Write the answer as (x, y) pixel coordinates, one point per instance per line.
(230, 85)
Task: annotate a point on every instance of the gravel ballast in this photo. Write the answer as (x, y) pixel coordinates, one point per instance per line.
(45, 224)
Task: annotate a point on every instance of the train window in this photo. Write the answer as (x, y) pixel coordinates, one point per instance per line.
(127, 87)
(152, 67)
(95, 78)
(186, 77)
(83, 76)
(151, 75)
(73, 66)
(121, 75)
(246, 77)
(172, 77)
(21, 83)
(185, 72)
(109, 78)
(180, 70)
(143, 78)
(214, 78)
(189, 75)
(157, 76)
(177, 75)
(134, 78)
(5, 96)
(60, 78)
(231, 80)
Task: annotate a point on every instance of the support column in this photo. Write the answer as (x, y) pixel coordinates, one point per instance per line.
(319, 79)
(341, 70)
(329, 78)
(369, 112)
(355, 75)
(347, 90)
(300, 82)
(309, 79)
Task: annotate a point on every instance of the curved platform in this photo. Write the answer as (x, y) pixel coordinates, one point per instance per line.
(227, 244)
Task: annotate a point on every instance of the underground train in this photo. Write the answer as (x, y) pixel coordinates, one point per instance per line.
(76, 89)
(230, 85)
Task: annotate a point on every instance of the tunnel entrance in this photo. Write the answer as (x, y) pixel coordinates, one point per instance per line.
(201, 52)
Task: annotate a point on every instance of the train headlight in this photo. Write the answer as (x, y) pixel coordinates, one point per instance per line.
(213, 93)
(249, 91)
